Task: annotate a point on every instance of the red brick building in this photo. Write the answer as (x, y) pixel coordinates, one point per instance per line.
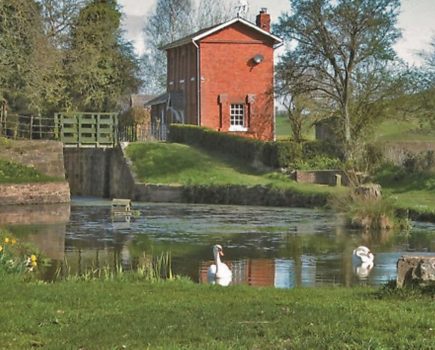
(221, 78)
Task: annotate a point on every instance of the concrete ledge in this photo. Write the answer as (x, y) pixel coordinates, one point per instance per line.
(415, 270)
(56, 213)
(34, 193)
(158, 193)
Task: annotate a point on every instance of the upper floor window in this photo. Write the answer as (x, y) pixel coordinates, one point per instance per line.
(237, 117)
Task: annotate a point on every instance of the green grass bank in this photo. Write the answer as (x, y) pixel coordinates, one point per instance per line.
(132, 314)
(178, 164)
(11, 172)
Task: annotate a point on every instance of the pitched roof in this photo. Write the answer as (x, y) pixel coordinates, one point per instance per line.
(137, 100)
(194, 37)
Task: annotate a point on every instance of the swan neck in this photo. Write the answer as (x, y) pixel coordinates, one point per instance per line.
(217, 260)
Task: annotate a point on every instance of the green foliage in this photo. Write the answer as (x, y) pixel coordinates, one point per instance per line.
(100, 66)
(368, 213)
(16, 173)
(279, 154)
(17, 257)
(245, 149)
(319, 162)
(419, 163)
(149, 268)
(351, 79)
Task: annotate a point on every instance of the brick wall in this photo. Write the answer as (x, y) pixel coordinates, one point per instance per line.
(35, 193)
(228, 75)
(45, 156)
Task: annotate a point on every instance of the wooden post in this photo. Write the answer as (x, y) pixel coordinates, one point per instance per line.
(40, 126)
(31, 127)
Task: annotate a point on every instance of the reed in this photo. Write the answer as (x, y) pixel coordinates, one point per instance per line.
(150, 268)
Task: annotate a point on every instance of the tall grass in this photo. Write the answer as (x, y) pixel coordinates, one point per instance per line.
(150, 268)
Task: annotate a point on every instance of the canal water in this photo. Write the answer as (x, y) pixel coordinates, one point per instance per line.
(263, 246)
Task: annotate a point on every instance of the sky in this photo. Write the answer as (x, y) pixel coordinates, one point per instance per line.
(417, 21)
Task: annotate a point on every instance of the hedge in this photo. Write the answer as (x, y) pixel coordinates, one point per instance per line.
(280, 154)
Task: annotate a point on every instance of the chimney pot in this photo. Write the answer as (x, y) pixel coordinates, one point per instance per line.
(263, 20)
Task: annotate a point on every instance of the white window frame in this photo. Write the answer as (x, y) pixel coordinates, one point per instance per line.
(237, 117)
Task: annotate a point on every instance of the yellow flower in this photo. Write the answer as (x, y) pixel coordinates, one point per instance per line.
(6, 240)
(1, 248)
(34, 263)
(33, 258)
(14, 241)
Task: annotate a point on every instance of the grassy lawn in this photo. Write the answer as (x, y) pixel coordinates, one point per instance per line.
(410, 191)
(171, 163)
(403, 130)
(16, 173)
(132, 314)
(284, 130)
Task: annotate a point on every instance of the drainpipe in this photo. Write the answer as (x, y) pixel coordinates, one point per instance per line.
(198, 86)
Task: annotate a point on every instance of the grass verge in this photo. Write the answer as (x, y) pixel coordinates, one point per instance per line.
(115, 314)
(16, 173)
(414, 191)
(171, 163)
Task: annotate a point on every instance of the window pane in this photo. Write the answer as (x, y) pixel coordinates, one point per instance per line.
(237, 113)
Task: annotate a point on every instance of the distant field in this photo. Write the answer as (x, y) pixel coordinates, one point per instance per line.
(284, 130)
(389, 130)
(403, 130)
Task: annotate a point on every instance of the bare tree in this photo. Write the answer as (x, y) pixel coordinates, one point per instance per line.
(171, 20)
(338, 43)
(58, 16)
(211, 12)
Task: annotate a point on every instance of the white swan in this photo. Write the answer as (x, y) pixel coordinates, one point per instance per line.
(219, 272)
(362, 255)
(362, 261)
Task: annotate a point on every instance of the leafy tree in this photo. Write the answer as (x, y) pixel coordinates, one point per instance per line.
(28, 63)
(100, 66)
(343, 47)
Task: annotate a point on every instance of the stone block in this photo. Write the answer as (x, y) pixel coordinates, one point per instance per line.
(415, 270)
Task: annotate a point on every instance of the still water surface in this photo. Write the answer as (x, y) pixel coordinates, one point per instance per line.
(264, 246)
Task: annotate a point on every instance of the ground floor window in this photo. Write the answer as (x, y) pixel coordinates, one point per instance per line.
(237, 117)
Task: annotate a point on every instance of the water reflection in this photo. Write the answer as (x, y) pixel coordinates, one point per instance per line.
(281, 247)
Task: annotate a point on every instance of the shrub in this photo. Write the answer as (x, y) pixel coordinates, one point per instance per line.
(16, 257)
(280, 154)
(319, 162)
(420, 162)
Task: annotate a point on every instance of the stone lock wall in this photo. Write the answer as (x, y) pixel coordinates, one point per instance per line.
(47, 158)
(44, 156)
(34, 193)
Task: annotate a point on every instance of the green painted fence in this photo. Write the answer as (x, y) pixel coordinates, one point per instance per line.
(78, 129)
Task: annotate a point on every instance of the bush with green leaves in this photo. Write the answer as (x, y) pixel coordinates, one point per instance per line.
(278, 154)
(419, 163)
(18, 257)
(11, 172)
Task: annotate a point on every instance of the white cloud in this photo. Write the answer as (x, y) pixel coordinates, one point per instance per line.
(416, 21)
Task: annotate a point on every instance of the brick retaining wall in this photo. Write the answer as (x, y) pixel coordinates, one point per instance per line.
(35, 193)
(44, 156)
